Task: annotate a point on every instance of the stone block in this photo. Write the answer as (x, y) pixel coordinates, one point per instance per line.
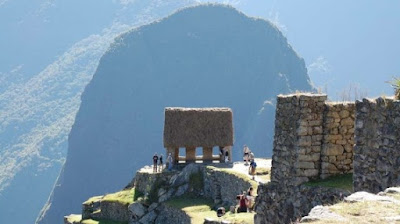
(316, 149)
(310, 157)
(302, 130)
(340, 157)
(347, 122)
(348, 148)
(332, 150)
(317, 130)
(310, 172)
(315, 123)
(347, 161)
(304, 141)
(344, 114)
(305, 165)
(328, 166)
(334, 137)
(341, 142)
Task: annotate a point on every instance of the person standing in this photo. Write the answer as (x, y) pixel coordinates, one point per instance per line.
(246, 154)
(160, 164)
(169, 162)
(155, 161)
(226, 155)
(252, 168)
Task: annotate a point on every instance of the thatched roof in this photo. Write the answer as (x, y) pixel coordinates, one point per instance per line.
(198, 127)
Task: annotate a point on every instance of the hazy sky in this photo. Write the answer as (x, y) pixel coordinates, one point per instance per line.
(343, 42)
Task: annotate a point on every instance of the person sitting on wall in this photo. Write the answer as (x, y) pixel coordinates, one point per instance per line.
(250, 199)
(155, 161)
(246, 152)
(160, 164)
(169, 162)
(243, 203)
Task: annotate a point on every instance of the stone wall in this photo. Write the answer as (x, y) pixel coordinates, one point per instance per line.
(313, 138)
(338, 139)
(277, 204)
(297, 141)
(377, 150)
(223, 187)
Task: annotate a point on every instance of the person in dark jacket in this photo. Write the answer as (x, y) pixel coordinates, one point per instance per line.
(155, 161)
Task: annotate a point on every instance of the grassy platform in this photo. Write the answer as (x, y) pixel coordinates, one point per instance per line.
(91, 221)
(127, 196)
(344, 182)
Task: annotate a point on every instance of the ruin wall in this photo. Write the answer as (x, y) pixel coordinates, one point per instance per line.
(313, 138)
(377, 150)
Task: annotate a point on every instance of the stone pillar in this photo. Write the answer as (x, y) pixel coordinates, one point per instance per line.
(230, 153)
(174, 154)
(298, 138)
(207, 154)
(190, 154)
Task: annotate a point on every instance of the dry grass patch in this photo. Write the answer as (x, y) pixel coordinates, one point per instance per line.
(364, 212)
(200, 208)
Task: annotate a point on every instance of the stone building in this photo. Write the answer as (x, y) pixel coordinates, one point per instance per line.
(190, 128)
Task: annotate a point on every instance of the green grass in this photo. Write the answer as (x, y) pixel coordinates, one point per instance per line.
(91, 221)
(74, 218)
(93, 199)
(200, 208)
(343, 181)
(127, 196)
(124, 197)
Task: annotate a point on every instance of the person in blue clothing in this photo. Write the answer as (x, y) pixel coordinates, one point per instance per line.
(252, 168)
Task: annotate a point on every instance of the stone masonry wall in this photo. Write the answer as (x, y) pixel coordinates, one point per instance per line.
(298, 135)
(313, 138)
(377, 150)
(338, 139)
(276, 204)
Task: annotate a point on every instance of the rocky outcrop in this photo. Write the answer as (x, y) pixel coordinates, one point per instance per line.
(276, 203)
(359, 201)
(320, 212)
(377, 154)
(194, 180)
(222, 59)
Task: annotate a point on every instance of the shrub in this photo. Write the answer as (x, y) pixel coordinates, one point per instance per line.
(395, 83)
